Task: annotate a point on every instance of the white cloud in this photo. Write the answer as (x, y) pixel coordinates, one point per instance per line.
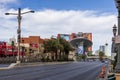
(7, 1)
(4, 3)
(51, 22)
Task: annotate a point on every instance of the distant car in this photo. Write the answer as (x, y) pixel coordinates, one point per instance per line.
(104, 61)
(91, 60)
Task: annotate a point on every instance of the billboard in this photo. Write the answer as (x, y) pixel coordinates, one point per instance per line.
(65, 36)
(80, 49)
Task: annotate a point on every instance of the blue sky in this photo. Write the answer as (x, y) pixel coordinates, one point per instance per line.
(52, 17)
(99, 5)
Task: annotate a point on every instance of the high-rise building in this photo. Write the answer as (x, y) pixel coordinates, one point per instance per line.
(104, 49)
(97, 52)
(12, 40)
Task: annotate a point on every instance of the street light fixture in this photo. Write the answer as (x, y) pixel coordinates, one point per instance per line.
(114, 30)
(117, 2)
(19, 17)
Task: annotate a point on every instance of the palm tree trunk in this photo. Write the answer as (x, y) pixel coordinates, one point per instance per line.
(55, 56)
(67, 56)
(52, 56)
(60, 55)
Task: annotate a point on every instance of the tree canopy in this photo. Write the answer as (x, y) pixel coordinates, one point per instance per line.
(53, 45)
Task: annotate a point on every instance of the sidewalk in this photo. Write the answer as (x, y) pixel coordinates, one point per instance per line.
(7, 66)
(117, 75)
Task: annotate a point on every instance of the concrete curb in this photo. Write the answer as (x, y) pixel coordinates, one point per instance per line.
(3, 68)
(12, 65)
(38, 64)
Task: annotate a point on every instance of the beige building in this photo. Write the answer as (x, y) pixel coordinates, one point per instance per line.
(32, 45)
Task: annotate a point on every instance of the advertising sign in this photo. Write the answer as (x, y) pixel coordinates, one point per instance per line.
(80, 49)
(66, 37)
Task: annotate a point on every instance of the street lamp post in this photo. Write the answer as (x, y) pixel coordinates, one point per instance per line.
(117, 68)
(114, 30)
(19, 17)
(23, 48)
(113, 39)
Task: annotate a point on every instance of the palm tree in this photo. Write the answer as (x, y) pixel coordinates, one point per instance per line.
(101, 54)
(66, 47)
(52, 46)
(90, 53)
(48, 46)
(58, 45)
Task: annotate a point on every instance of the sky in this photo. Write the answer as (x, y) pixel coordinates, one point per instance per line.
(60, 16)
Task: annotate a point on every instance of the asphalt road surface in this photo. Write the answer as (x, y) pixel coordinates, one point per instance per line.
(4, 65)
(66, 71)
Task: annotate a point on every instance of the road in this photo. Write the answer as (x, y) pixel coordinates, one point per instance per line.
(66, 71)
(4, 65)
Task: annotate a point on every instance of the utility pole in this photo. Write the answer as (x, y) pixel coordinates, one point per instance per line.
(19, 17)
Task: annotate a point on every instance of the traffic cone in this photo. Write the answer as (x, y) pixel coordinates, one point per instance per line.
(103, 68)
(102, 74)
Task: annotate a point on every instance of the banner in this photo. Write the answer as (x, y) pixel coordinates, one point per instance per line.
(80, 49)
(34, 45)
